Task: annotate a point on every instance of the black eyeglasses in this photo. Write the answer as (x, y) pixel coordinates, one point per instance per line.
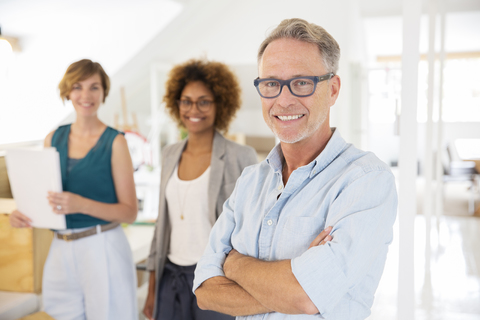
(202, 105)
(299, 87)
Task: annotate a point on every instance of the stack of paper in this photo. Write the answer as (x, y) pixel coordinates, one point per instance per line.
(32, 173)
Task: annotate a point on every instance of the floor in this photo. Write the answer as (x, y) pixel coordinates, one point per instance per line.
(451, 288)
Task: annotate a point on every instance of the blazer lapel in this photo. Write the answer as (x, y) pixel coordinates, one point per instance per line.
(170, 162)
(217, 165)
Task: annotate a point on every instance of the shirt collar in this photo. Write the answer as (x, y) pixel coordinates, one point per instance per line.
(275, 158)
(335, 146)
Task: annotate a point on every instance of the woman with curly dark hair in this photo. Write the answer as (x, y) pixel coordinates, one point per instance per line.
(198, 175)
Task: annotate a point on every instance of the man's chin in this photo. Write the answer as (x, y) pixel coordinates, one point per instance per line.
(290, 138)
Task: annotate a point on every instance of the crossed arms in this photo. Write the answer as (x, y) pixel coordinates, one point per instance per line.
(252, 286)
(320, 278)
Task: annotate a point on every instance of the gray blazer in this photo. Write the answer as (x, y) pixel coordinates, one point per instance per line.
(227, 163)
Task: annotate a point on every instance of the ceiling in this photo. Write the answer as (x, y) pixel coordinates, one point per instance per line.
(111, 31)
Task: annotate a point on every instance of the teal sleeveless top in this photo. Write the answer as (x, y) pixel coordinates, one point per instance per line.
(91, 177)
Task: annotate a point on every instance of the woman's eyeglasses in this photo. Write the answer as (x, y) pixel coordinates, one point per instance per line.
(202, 105)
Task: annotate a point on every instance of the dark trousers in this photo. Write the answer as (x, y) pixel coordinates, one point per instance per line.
(175, 300)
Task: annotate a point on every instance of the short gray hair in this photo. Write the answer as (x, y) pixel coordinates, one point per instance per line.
(302, 30)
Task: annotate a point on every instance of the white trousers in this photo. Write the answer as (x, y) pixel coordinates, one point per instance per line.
(91, 278)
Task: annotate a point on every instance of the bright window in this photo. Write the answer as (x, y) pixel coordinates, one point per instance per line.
(461, 95)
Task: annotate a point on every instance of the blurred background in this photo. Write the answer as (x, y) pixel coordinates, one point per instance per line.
(137, 43)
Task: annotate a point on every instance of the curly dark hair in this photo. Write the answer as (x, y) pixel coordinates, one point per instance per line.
(217, 77)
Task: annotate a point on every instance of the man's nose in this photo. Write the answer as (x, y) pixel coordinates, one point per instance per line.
(285, 96)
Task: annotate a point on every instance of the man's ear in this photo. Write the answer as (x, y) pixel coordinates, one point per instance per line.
(334, 86)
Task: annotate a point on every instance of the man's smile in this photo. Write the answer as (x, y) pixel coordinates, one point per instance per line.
(288, 118)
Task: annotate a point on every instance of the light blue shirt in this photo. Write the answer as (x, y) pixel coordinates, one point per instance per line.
(343, 187)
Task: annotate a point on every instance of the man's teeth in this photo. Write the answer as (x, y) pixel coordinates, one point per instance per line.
(195, 119)
(286, 118)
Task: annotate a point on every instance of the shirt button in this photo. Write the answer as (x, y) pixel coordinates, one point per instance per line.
(279, 187)
(269, 222)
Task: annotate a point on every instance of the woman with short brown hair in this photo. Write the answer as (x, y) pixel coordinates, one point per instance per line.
(89, 272)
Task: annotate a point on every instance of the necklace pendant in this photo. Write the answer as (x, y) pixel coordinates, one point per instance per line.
(181, 217)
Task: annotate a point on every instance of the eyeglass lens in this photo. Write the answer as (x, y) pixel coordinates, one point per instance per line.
(298, 86)
(202, 105)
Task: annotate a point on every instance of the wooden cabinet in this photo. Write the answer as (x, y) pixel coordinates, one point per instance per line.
(4, 184)
(22, 255)
(22, 251)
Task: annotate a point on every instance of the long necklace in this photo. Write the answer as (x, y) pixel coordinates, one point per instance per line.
(182, 203)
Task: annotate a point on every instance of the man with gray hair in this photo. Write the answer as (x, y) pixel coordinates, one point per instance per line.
(306, 232)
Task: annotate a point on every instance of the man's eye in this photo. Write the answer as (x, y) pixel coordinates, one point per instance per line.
(271, 83)
(300, 83)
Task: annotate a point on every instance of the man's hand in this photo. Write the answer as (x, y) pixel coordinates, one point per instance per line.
(272, 283)
(322, 238)
(225, 296)
(231, 262)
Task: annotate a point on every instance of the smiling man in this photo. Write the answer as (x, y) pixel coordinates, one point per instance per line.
(306, 232)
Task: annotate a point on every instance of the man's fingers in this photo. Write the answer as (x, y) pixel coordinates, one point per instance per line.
(321, 237)
(327, 238)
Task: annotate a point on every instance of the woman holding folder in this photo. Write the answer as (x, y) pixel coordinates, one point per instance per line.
(89, 272)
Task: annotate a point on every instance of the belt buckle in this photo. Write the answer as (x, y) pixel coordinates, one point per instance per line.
(65, 237)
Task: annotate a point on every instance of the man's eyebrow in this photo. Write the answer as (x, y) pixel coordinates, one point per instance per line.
(294, 76)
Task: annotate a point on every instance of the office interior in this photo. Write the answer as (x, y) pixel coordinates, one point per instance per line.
(410, 93)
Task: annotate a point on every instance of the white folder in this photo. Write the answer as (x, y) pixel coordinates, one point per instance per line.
(32, 173)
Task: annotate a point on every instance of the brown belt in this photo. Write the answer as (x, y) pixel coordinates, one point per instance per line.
(88, 232)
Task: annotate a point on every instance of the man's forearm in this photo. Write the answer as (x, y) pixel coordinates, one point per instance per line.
(271, 283)
(223, 295)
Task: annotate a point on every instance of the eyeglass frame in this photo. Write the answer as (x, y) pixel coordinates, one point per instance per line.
(210, 104)
(316, 79)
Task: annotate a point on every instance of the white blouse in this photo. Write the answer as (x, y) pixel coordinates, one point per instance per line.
(187, 202)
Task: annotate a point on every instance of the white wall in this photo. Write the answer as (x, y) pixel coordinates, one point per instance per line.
(55, 33)
(231, 31)
(127, 39)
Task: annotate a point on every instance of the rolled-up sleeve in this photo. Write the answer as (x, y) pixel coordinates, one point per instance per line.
(362, 216)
